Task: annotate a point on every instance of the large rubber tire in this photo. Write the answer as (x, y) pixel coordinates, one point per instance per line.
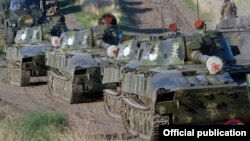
(10, 35)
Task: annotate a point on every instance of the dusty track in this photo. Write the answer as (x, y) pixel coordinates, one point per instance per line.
(151, 16)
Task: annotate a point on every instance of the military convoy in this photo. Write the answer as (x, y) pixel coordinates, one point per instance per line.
(146, 81)
(16, 14)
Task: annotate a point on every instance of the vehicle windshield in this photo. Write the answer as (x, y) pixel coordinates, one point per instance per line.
(21, 4)
(76, 40)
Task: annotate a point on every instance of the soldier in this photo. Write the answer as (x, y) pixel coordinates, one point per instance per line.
(52, 10)
(57, 19)
(109, 22)
(228, 9)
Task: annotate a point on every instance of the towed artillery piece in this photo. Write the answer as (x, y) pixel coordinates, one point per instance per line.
(75, 63)
(195, 80)
(26, 58)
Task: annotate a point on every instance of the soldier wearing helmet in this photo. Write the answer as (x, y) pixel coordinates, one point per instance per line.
(228, 9)
(56, 19)
(109, 22)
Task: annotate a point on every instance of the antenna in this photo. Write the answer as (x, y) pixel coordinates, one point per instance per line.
(198, 10)
(162, 20)
(99, 7)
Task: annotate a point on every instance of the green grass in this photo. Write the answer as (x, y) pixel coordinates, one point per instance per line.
(191, 4)
(87, 19)
(39, 126)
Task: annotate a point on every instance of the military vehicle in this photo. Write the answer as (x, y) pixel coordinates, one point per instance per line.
(22, 13)
(26, 58)
(197, 81)
(126, 60)
(75, 63)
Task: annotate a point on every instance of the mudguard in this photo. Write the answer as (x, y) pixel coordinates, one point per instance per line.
(26, 51)
(69, 62)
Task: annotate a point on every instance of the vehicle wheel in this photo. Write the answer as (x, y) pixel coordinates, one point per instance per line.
(10, 35)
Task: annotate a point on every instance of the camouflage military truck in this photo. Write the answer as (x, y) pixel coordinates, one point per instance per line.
(195, 81)
(23, 13)
(126, 60)
(75, 64)
(26, 58)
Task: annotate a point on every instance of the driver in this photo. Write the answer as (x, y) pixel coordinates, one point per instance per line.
(57, 19)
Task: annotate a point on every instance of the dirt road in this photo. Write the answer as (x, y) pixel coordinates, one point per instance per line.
(87, 116)
(152, 16)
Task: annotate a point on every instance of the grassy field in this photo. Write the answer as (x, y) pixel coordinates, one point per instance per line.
(33, 126)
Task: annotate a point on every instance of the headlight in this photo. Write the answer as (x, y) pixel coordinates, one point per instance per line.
(70, 41)
(153, 56)
(23, 36)
(126, 51)
(14, 25)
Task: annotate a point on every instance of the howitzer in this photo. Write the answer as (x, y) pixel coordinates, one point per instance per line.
(75, 63)
(188, 85)
(27, 57)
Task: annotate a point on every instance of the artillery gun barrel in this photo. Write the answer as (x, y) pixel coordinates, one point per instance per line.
(111, 49)
(102, 44)
(199, 57)
(213, 63)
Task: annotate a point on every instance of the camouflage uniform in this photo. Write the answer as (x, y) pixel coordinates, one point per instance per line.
(228, 9)
(110, 32)
(57, 20)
